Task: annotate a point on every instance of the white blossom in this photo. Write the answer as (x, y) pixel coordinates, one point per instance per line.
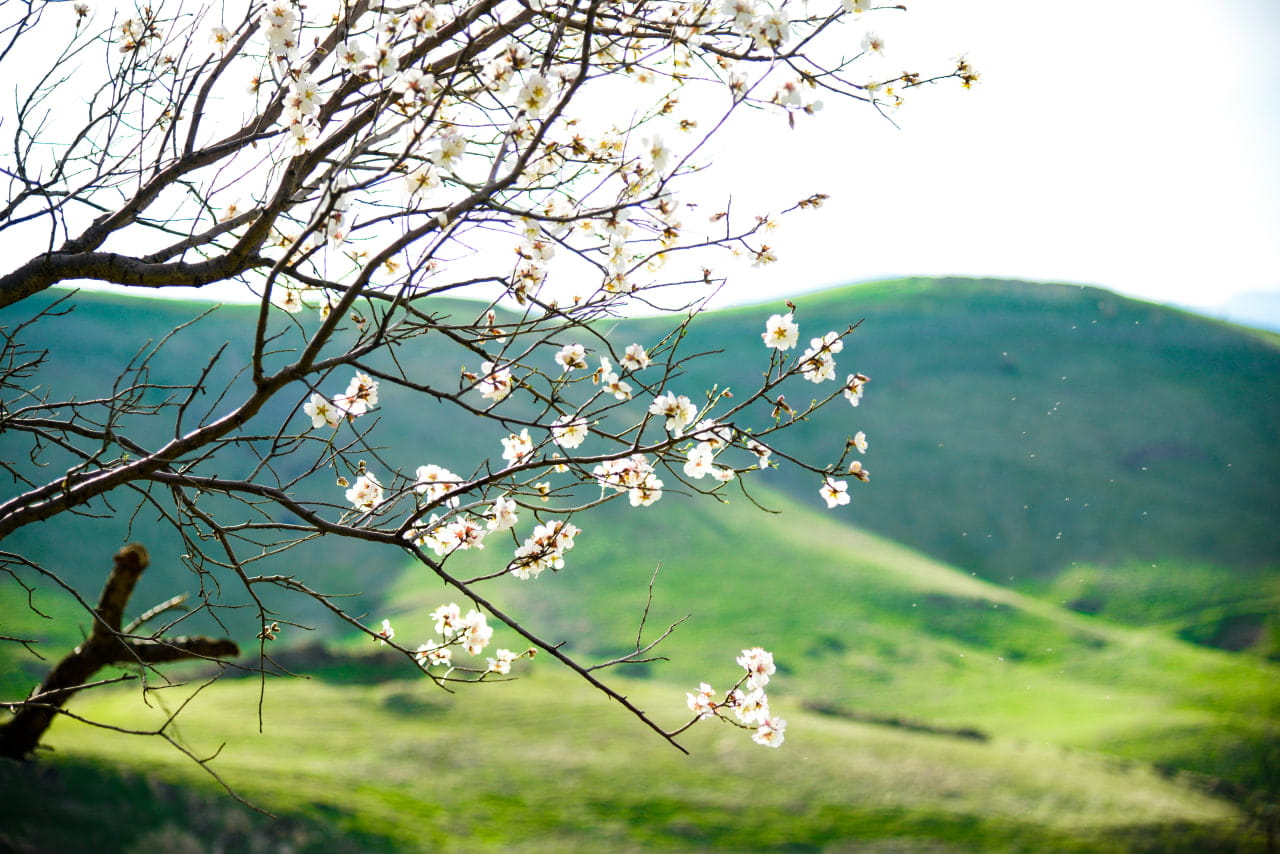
(770, 733)
(702, 702)
(366, 494)
(495, 383)
(572, 357)
(834, 492)
(502, 514)
(516, 449)
(677, 409)
(569, 432)
(781, 332)
(635, 358)
(322, 412)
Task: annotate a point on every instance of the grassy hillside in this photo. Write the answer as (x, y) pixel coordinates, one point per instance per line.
(864, 628)
(1018, 429)
(930, 707)
(1023, 432)
(541, 766)
(928, 710)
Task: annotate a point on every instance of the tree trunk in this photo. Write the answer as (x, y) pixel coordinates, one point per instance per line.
(104, 646)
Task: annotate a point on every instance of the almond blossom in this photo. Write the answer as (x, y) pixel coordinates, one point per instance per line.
(699, 464)
(759, 666)
(544, 549)
(361, 396)
(752, 708)
(770, 733)
(834, 492)
(448, 619)
(495, 383)
(702, 702)
(780, 332)
(572, 357)
(762, 452)
(503, 515)
(322, 412)
(678, 410)
(569, 432)
(818, 363)
(501, 662)
(433, 482)
(854, 387)
(476, 632)
(635, 358)
(366, 494)
(431, 655)
(516, 449)
(385, 633)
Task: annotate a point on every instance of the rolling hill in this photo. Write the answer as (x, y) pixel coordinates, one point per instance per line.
(1078, 486)
(927, 709)
(1062, 440)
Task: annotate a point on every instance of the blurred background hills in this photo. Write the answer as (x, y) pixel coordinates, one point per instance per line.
(1062, 583)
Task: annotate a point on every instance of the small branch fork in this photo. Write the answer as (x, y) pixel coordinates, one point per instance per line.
(106, 645)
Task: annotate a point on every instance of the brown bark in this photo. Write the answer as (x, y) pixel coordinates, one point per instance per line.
(104, 646)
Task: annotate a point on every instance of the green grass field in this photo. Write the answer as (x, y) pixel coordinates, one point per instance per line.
(1077, 734)
(545, 765)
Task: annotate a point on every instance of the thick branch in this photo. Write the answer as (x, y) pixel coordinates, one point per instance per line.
(51, 268)
(104, 646)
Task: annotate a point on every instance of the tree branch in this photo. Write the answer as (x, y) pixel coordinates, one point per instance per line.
(104, 646)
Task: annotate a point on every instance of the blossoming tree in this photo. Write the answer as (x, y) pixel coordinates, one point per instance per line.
(350, 163)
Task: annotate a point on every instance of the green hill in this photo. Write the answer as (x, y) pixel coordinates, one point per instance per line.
(866, 629)
(928, 702)
(927, 709)
(1019, 429)
(1108, 454)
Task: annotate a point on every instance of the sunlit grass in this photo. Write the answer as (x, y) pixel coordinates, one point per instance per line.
(545, 765)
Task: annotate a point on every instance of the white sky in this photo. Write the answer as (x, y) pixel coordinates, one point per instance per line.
(1138, 150)
(1136, 147)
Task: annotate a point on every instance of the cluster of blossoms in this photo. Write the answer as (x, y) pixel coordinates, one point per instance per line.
(361, 396)
(677, 409)
(817, 364)
(543, 549)
(711, 439)
(133, 32)
(517, 448)
(366, 493)
(461, 533)
(471, 632)
(455, 535)
(746, 700)
(433, 483)
(633, 475)
(766, 26)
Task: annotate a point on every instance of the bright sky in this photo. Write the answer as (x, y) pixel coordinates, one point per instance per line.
(1137, 149)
